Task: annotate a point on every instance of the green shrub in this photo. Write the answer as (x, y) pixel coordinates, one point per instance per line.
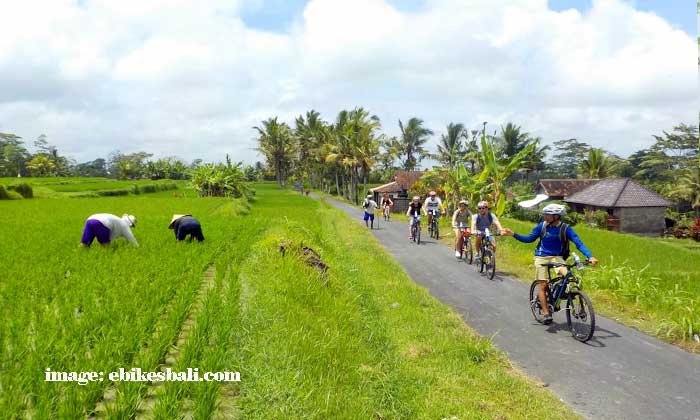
(598, 218)
(573, 218)
(3, 193)
(23, 189)
(112, 193)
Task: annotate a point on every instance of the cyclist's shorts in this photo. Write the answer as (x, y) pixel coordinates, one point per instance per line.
(369, 216)
(541, 272)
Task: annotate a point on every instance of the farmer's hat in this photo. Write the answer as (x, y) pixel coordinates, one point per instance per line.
(174, 219)
(130, 219)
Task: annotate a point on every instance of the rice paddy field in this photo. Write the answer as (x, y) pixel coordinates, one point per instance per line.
(76, 187)
(340, 343)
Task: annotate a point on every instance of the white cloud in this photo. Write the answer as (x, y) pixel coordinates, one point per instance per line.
(188, 78)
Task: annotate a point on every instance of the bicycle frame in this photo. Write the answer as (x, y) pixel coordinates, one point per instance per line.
(569, 283)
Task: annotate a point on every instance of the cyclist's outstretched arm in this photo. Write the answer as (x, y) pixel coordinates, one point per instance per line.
(532, 236)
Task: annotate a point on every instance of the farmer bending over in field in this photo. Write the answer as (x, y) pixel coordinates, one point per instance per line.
(185, 224)
(108, 227)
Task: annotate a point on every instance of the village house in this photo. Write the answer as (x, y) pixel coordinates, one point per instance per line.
(631, 207)
(398, 189)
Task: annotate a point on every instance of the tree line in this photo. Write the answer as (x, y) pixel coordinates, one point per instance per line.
(344, 156)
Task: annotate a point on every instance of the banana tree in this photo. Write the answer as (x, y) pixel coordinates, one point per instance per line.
(496, 172)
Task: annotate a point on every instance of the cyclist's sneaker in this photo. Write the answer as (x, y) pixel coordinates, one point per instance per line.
(458, 254)
(547, 319)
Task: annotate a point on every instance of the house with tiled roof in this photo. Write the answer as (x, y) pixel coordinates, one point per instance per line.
(558, 189)
(631, 207)
(398, 189)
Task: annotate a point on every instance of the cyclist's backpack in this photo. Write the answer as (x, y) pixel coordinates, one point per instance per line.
(565, 251)
(365, 204)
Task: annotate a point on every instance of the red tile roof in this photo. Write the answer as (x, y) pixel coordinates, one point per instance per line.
(564, 187)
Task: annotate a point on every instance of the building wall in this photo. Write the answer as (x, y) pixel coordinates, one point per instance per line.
(642, 220)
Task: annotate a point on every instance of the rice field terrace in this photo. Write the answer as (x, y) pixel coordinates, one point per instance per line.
(76, 187)
(284, 290)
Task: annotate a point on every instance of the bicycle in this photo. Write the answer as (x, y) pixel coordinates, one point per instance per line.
(580, 316)
(415, 229)
(466, 249)
(487, 262)
(434, 227)
(387, 213)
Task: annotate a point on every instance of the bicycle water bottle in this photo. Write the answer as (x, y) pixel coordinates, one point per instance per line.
(578, 262)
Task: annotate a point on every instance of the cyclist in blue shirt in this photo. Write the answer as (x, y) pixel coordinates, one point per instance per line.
(550, 247)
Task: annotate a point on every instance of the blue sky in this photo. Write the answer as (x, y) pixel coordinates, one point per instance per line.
(277, 15)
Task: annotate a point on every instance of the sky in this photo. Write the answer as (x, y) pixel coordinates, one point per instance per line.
(191, 78)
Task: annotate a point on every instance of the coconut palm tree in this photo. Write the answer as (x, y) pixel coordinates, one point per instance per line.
(597, 165)
(276, 143)
(413, 137)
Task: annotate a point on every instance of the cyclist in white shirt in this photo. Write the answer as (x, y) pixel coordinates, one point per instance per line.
(369, 206)
(433, 206)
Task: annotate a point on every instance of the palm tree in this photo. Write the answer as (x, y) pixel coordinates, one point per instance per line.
(450, 150)
(413, 137)
(598, 165)
(513, 140)
(275, 142)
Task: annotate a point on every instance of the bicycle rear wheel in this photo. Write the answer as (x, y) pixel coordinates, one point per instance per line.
(580, 316)
(535, 303)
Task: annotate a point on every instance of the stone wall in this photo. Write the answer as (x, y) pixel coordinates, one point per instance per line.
(642, 220)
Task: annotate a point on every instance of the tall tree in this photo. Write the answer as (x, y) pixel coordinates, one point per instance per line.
(275, 142)
(13, 154)
(513, 140)
(598, 165)
(413, 138)
(450, 150)
(567, 157)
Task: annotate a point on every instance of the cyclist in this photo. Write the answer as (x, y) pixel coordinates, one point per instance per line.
(461, 215)
(433, 206)
(551, 248)
(481, 221)
(369, 205)
(414, 210)
(386, 202)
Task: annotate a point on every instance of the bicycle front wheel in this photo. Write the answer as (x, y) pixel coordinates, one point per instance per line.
(437, 231)
(535, 303)
(467, 251)
(580, 316)
(489, 263)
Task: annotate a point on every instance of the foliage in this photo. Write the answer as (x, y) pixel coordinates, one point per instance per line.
(413, 138)
(23, 189)
(3, 193)
(220, 180)
(597, 218)
(567, 157)
(276, 143)
(598, 165)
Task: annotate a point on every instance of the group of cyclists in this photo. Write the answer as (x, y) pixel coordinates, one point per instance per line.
(553, 234)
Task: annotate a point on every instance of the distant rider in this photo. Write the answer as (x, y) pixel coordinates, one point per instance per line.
(550, 248)
(369, 205)
(433, 206)
(481, 221)
(461, 216)
(414, 210)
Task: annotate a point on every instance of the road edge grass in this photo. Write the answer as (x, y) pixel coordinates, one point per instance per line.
(354, 343)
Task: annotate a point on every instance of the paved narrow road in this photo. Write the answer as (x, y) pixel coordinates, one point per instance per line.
(620, 374)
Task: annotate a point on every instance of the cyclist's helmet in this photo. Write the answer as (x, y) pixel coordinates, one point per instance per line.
(416, 198)
(556, 209)
(483, 203)
(432, 193)
(369, 195)
(465, 202)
